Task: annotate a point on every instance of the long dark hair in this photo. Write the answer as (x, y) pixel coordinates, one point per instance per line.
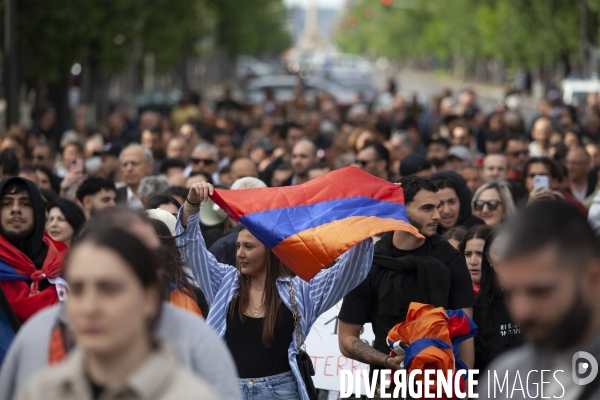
(173, 272)
(489, 292)
(475, 232)
(272, 301)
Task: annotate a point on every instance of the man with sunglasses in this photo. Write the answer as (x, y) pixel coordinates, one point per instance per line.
(517, 152)
(205, 157)
(374, 158)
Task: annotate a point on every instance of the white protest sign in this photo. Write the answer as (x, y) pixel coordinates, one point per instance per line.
(323, 348)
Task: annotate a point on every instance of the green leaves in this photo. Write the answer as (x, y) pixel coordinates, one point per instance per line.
(518, 32)
(252, 26)
(54, 34)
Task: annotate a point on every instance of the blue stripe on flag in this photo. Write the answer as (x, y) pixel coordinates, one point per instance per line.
(8, 273)
(285, 222)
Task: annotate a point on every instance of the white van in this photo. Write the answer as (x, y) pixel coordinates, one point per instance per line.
(575, 91)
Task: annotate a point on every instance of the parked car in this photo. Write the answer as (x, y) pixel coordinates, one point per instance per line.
(248, 67)
(354, 81)
(284, 87)
(158, 100)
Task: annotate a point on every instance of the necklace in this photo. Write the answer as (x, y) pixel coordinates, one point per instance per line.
(255, 308)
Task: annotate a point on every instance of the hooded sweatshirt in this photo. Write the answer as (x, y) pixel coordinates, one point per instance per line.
(27, 266)
(465, 217)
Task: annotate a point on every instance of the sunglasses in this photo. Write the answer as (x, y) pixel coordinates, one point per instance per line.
(205, 161)
(492, 204)
(363, 163)
(519, 153)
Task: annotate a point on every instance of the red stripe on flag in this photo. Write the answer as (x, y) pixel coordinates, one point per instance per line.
(343, 183)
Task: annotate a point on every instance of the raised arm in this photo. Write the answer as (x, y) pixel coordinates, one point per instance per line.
(330, 285)
(207, 271)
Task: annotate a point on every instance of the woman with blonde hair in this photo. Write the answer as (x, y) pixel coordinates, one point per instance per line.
(493, 203)
(360, 137)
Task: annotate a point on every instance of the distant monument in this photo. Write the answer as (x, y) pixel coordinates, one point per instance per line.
(310, 39)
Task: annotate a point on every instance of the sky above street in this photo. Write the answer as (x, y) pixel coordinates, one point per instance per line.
(321, 3)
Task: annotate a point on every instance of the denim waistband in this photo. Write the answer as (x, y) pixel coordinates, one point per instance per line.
(273, 379)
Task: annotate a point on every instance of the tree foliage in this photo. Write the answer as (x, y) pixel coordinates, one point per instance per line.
(252, 26)
(54, 34)
(518, 32)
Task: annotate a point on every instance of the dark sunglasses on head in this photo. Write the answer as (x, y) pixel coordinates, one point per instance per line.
(492, 204)
(518, 153)
(205, 161)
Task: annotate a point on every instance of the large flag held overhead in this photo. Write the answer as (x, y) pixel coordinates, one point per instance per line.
(308, 226)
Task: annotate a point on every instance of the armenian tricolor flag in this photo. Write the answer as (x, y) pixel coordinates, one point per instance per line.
(432, 337)
(17, 271)
(308, 226)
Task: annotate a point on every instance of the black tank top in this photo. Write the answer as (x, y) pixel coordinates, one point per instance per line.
(244, 339)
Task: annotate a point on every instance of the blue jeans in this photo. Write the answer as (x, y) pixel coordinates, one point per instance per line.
(281, 386)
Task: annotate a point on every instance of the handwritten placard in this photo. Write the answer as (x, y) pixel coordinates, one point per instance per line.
(322, 345)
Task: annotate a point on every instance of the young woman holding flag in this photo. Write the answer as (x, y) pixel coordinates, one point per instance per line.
(258, 308)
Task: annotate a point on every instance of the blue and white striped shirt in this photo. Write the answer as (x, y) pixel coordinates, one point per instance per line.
(219, 282)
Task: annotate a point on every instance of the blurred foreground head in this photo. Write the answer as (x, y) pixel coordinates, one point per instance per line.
(135, 223)
(550, 273)
(115, 293)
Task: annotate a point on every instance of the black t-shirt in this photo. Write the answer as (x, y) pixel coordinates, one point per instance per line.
(507, 335)
(244, 339)
(361, 305)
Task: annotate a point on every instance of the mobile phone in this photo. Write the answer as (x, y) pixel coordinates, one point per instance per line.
(541, 181)
(76, 165)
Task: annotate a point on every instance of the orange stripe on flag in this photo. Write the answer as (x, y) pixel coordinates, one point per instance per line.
(305, 253)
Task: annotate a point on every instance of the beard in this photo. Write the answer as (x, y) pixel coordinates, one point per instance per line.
(16, 237)
(569, 329)
(438, 162)
(419, 227)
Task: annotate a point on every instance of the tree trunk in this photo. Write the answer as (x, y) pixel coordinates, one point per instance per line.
(58, 94)
(566, 60)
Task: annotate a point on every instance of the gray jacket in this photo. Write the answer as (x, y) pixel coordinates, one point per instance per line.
(159, 377)
(522, 369)
(198, 347)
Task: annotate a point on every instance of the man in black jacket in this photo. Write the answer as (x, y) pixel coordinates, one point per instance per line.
(455, 201)
(406, 269)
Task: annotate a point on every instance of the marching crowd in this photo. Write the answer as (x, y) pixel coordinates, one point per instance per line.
(120, 274)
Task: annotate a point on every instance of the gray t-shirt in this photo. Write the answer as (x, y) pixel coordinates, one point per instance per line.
(198, 347)
(517, 374)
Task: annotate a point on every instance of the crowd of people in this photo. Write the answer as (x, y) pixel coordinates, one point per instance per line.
(116, 266)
